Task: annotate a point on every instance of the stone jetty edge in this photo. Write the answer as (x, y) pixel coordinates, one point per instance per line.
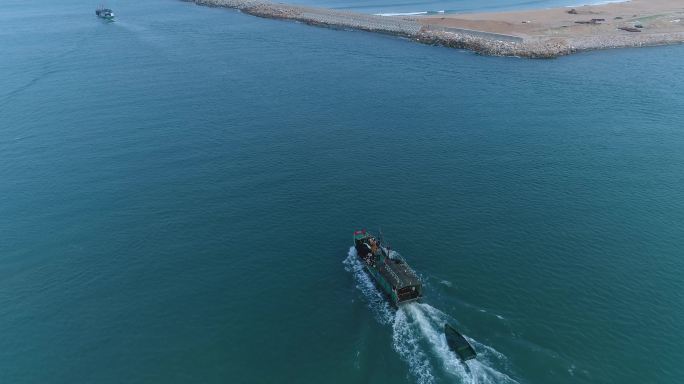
(481, 42)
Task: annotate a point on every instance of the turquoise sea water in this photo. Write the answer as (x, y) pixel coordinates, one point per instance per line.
(178, 191)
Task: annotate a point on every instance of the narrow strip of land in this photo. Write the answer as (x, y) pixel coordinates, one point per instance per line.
(536, 34)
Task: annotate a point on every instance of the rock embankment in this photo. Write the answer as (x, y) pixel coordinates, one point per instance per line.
(321, 16)
(482, 42)
(400, 26)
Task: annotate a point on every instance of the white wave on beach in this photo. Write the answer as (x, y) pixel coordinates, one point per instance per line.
(601, 2)
(418, 337)
(442, 11)
(402, 14)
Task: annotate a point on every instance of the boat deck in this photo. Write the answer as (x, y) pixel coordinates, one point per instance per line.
(398, 273)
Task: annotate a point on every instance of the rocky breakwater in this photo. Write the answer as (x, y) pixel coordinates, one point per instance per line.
(625, 41)
(481, 42)
(495, 44)
(321, 16)
(554, 33)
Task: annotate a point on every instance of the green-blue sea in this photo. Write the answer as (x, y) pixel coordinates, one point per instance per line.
(179, 189)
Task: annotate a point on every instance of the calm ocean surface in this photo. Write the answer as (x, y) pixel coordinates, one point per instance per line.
(178, 191)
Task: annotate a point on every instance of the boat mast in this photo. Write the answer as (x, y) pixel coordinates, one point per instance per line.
(382, 241)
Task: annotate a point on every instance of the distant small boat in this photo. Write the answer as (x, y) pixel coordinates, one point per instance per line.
(458, 343)
(105, 13)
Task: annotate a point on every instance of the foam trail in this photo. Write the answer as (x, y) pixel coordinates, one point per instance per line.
(424, 317)
(407, 343)
(601, 2)
(418, 337)
(486, 351)
(376, 301)
(430, 321)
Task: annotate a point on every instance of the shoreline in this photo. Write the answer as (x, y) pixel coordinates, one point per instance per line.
(544, 33)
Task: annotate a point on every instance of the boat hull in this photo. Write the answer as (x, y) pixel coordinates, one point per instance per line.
(458, 344)
(391, 275)
(381, 283)
(106, 14)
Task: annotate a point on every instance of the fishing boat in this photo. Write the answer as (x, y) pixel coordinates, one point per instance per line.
(104, 13)
(458, 344)
(389, 270)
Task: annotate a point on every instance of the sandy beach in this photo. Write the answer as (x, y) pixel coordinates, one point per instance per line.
(545, 33)
(583, 27)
